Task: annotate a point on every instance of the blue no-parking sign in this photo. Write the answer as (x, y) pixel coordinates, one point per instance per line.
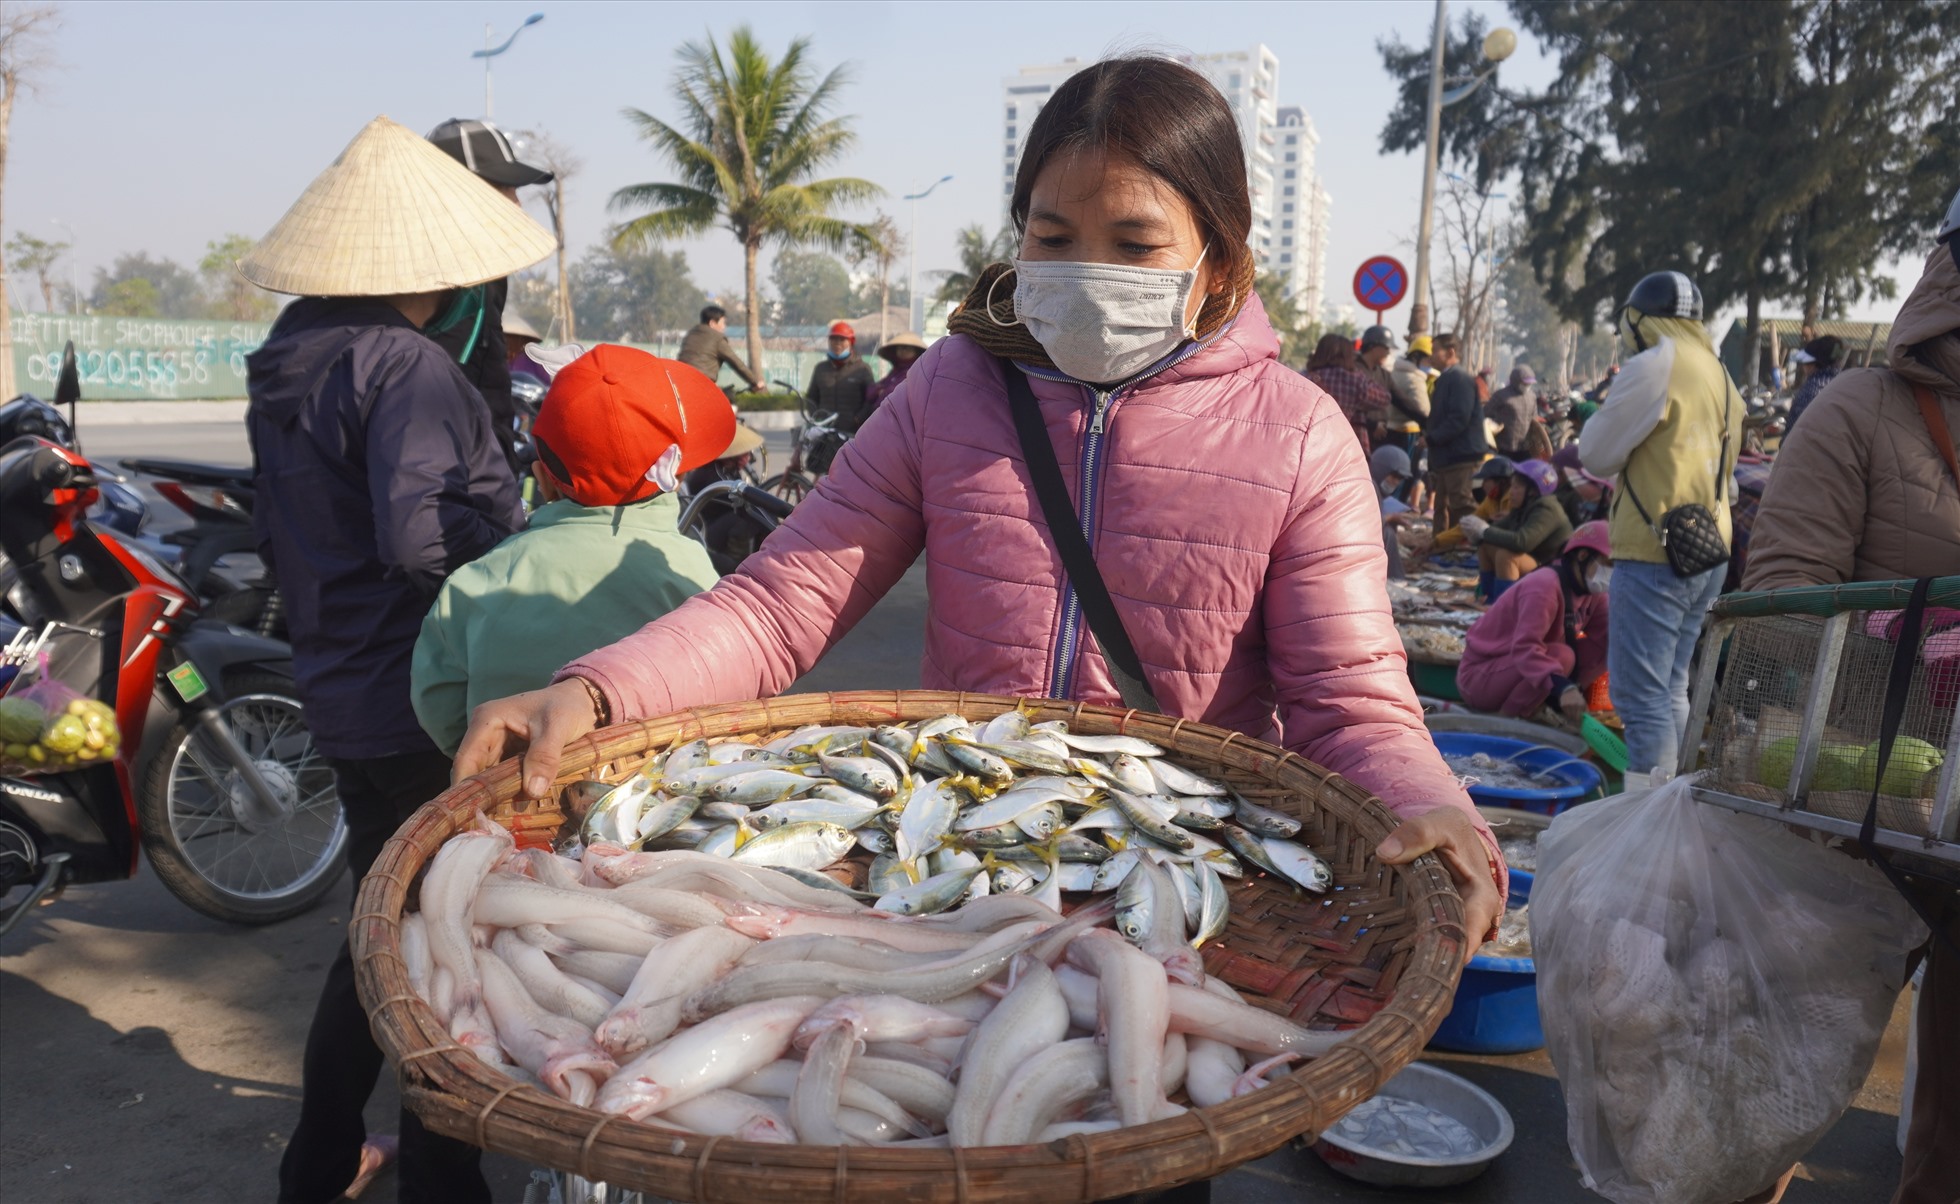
(1380, 284)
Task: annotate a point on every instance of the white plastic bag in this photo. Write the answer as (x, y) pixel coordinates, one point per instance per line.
(1713, 988)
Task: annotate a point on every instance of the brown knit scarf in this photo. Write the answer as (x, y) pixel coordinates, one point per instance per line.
(996, 329)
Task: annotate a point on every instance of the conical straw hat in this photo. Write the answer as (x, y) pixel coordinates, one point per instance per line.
(394, 215)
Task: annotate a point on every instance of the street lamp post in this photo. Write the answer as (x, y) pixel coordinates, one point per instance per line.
(488, 53)
(74, 281)
(1498, 45)
(918, 304)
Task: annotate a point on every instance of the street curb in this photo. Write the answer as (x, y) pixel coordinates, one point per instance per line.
(156, 413)
(769, 420)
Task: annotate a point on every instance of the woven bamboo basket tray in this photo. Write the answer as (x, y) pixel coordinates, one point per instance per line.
(1381, 951)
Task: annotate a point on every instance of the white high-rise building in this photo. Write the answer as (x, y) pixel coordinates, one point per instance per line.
(1299, 253)
(1289, 206)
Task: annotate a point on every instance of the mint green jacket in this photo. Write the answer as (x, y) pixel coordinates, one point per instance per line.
(578, 578)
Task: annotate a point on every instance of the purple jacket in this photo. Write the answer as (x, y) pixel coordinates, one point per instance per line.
(1515, 654)
(377, 476)
(1231, 514)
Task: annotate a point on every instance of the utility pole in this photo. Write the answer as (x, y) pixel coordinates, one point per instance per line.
(1419, 290)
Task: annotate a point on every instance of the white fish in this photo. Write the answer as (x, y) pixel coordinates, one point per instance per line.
(718, 1052)
(1029, 1019)
(550, 986)
(560, 1051)
(1132, 999)
(448, 896)
(1037, 1090)
(650, 1009)
(727, 1113)
(882, 1018)
(1211, 1070)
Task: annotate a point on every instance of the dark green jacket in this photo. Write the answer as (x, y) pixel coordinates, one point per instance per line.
(1538, 528)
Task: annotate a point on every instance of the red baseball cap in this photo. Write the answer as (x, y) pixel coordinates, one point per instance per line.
(612, 413)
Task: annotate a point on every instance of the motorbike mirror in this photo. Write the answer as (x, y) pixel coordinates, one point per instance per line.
(68, 385)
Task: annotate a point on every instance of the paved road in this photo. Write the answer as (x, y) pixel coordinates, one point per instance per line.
(150, 1054)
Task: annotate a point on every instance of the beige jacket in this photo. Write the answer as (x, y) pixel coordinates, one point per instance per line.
(1859, 491)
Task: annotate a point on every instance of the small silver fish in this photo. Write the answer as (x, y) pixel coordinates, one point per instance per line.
(1175, 779)
(663, 815)
(1099, 744)
(682, 757)
(932, 895)
(887, 874)
(871, 775)
(1129, 771)
(1297, 862)
(852, 814)
(1113, 873)
(1150, 822)
(1215, 906)
(928, 816)
(810, 846)
(615, 818)
(1263, 820)
(764, 786)
(1008, 725)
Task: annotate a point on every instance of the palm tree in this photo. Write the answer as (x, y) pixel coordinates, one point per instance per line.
(976, 252)
(752, 132)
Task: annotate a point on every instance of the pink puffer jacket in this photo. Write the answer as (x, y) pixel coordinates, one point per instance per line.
(1232, 517)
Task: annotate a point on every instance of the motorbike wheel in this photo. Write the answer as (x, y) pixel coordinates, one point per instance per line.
(229, 868)
(792, 487)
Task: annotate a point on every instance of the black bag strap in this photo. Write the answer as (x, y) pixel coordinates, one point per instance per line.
(1721, 462)
(1898, 684)
(1065, 528)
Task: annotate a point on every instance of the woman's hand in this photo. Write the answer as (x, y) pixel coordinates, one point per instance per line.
(1449, 833)
(539, 724)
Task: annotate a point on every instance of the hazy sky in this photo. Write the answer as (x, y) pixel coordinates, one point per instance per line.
(171, 124)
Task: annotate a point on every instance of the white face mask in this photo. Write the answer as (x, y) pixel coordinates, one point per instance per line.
(1600, 579)
(1104, 322)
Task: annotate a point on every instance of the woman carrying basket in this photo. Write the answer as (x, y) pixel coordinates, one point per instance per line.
(1225, 498)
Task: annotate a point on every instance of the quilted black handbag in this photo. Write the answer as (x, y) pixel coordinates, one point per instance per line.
(1690, 534)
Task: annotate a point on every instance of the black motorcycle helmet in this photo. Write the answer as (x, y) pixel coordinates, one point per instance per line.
(1660, 295)
(1378, 336)
(28, 415)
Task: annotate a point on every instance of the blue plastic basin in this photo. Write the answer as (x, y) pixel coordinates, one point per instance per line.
(1577, 779)
(1496, 1009)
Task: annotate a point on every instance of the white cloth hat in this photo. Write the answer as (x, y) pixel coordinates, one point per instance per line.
(394, 215)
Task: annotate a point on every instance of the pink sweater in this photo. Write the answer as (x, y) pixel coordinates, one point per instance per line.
(1511, 655)
(1232, 517)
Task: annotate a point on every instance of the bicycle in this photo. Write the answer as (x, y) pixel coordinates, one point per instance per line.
(815, 445)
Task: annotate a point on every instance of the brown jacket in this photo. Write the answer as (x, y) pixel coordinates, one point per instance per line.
(706, 349)
(1859, 491)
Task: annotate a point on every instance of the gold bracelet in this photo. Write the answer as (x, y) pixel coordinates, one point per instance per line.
(601, 709)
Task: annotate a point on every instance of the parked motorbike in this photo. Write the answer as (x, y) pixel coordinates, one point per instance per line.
(727, 514)
(816, 444)
(218, 499)
(216, 776)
